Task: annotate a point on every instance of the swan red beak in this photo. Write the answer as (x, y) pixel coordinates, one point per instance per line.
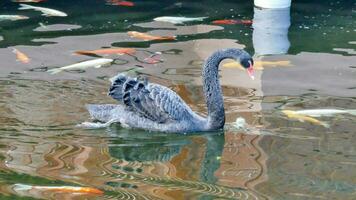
(251, 72)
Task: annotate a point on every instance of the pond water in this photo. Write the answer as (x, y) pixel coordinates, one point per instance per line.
(304, 58)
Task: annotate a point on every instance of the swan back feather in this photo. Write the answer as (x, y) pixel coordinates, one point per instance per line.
(155, 102)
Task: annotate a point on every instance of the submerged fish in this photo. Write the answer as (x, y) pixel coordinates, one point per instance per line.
(21, 56)
(154, 58)
(147, 37)
(259, 65)
(12, 17)
(125, 3)
(324, 112)
(293, 115)
(119, 3)
(28, 1)
(46, 11)
(232, 21)
(97, 63)
(178, 20)
(109, 51)
(67, 189)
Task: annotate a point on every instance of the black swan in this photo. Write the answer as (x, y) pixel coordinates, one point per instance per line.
(155, 107)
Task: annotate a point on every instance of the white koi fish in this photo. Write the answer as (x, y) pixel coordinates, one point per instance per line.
(46, 11)
(96, 63)
(12, 17)
(324, 112)
(178, 20)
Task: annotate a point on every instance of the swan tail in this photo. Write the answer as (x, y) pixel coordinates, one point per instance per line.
(116, 90)
(25, 7)
(101, 113)
(122, 86)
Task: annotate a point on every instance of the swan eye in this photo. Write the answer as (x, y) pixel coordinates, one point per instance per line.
(250, 62)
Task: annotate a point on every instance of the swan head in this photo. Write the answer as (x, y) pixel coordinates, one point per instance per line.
(240, 56)
(246, 62)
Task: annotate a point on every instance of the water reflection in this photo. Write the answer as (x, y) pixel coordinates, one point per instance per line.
(127, 161)
(121, 161)
(314, 164)
(270, 30)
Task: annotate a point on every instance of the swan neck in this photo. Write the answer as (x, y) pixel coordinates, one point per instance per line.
(212, 88)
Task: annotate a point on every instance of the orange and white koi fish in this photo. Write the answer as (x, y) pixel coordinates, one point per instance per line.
(21, 56)
(294, 115)
(65, 189)
(232, 21)
(260, 65)
(147, 37)
(108, 51)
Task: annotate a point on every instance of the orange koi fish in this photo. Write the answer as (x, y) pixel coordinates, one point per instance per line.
(147, 37)
(120, 3)
(21, 56)
(246, 21)
(65, 189)
(124, 3)
(232, 21)
(108, 51)
(28, 1)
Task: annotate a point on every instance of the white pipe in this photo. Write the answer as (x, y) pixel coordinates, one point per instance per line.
(273, 3)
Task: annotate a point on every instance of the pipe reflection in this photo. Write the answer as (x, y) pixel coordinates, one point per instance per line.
(270, 30)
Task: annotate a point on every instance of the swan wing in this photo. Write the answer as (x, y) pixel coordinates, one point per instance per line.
(153, 101)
